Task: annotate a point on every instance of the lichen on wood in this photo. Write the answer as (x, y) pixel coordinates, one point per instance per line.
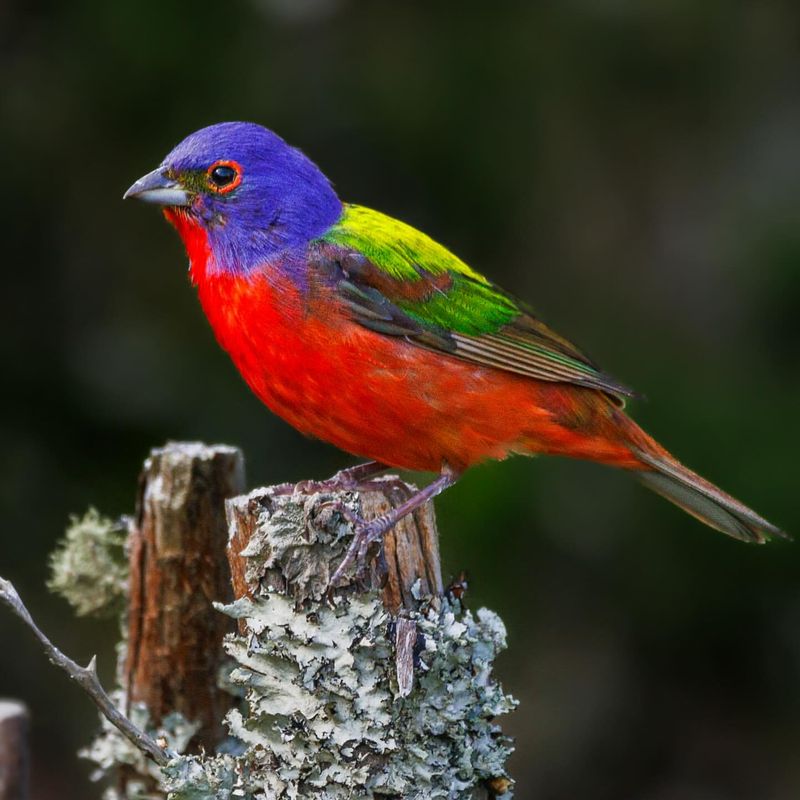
(325, 715)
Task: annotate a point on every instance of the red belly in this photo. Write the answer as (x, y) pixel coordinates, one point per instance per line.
(383, 398)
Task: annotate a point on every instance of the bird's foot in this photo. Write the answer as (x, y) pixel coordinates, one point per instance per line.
(352, 479)
(365, 534)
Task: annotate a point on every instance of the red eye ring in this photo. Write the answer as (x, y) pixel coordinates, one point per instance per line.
(224, 176)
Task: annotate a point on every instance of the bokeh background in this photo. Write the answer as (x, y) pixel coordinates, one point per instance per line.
(630, 168)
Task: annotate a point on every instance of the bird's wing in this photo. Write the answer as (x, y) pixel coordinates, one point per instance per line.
(397, 281)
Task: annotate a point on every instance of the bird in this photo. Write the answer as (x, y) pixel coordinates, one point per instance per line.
(364, 332)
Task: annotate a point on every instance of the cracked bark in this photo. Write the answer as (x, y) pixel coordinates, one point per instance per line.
(177, 571)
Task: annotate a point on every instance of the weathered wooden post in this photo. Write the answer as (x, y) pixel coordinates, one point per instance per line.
(14, 750)
(178, 571)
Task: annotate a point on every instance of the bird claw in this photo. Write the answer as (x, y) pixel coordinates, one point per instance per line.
(365, 534)
(344, 511)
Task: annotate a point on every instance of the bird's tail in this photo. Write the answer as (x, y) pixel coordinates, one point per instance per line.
(668, 477)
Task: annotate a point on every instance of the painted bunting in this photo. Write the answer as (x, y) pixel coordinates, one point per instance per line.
(366, 333)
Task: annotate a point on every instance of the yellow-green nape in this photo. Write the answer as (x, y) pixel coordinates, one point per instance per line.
(395, 246)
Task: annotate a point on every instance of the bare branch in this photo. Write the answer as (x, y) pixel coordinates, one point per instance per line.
(86, 677)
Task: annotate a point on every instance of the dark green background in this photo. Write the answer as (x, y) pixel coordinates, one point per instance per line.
(630, 168)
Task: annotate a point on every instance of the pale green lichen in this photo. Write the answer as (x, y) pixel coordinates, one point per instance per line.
(193, 778)
(110, 750)
(89, 568)
(324, 717)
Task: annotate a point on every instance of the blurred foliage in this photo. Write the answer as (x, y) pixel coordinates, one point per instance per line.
(630, 168)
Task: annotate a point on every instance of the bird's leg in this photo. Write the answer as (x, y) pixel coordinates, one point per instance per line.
(368, 531)
(349, 479)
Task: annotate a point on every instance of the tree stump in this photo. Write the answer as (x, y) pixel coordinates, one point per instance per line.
(381, 687)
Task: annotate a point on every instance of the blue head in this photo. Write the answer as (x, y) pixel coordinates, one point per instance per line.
(255, 196)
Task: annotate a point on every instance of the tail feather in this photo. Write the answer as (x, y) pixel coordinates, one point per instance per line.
(703, 500)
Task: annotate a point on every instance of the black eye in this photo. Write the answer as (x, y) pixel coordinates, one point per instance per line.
(224, 176)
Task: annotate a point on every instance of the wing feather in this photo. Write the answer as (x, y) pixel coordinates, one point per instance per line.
(398, 282)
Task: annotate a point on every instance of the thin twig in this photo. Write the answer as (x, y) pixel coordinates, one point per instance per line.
(86, 677)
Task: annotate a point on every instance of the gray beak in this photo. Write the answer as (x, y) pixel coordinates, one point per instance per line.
(155, 187)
